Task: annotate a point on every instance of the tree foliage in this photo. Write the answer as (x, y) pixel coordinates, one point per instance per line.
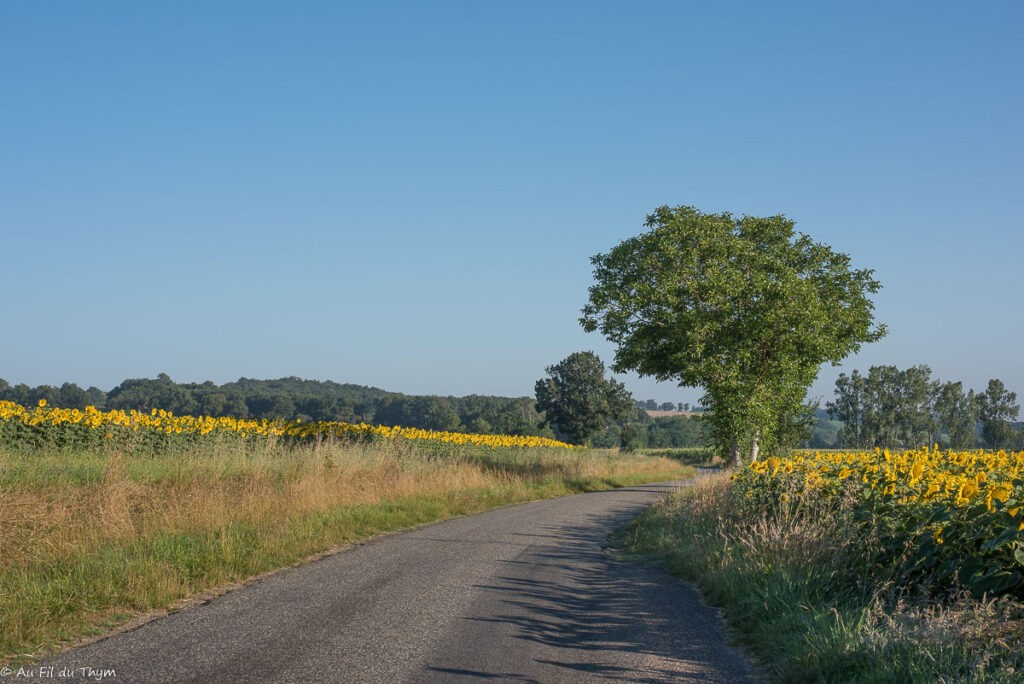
(746, 308)
(578, 400)
(957, 413)
(889, 407)
(290, 398)
(997, 406)
(894, 408)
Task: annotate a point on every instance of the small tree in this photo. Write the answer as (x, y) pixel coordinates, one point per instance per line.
(578, 400)
(848, 407)
(996, 408)
(633, 436)
(916, 413)
(957, 413)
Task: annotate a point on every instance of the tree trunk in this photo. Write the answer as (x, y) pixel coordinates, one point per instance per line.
(735, 451)
(755, 446)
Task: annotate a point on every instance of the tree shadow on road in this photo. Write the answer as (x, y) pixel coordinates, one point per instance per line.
(590, 615)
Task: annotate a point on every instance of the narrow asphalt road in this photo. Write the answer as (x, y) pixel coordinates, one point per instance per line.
(526, 593)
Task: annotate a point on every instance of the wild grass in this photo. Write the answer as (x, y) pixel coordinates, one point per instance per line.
(695, 456)
(89, 539)
(783, 581)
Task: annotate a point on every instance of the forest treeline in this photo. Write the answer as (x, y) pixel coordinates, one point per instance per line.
(905, 408)
(296, 398)
(887, 407)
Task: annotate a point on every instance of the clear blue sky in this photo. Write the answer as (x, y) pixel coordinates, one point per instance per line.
(406, 194)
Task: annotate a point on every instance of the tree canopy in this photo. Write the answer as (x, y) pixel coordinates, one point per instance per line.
(578, 400)
(997, 406)
(895, 408)
(289, 398)
(746, 308)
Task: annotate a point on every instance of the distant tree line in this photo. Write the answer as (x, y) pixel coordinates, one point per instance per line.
(652, 405)
(888, 407)
(894, 408)
(291, 398)
(641, 431)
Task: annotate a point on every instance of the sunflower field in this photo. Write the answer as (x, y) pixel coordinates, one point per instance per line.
(44, 426)
(923, 520)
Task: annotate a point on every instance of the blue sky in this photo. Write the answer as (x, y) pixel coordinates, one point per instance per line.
(406, 195)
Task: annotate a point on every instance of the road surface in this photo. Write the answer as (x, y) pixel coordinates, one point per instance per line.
(526, 593)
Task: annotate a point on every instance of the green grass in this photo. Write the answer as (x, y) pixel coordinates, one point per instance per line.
(779, 583)
(92, 539)
(694, 456)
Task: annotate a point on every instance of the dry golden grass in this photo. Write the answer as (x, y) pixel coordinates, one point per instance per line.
(88, 535)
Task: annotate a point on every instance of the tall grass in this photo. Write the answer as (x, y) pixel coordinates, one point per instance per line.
(783, 581)
(695, 456)
(90, 538)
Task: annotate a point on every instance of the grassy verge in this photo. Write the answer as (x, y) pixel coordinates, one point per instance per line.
(782, 580)
(694, 456)
(89, 539)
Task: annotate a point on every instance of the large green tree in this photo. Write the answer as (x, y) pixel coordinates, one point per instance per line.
(746, 308)
(578, 400)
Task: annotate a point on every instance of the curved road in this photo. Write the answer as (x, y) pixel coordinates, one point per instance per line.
(526, 593)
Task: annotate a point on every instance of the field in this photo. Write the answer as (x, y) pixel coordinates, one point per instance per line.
(873, 566)
(695, 456)
(108, 515)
